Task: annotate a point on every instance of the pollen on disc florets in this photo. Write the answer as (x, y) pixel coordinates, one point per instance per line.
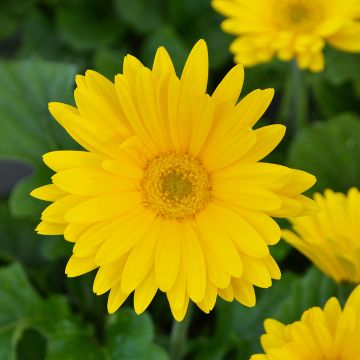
(176, 186)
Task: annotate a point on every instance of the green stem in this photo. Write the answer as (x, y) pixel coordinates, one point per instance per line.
(299, 105)
(178, 336)
(294, 103)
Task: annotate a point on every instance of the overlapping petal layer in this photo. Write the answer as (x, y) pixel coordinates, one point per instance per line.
(169, 192)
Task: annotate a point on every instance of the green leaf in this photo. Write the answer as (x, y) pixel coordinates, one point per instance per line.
(238, 329)
(218, 42)
(333, 99)
(38, 34)
(329, 150)
(18, 240)
(129, 336)
(313, 289)
(85, 25)
(21, 308)
(31, 346)
(21, 203)
(168, 37)
(27, 129)
(108, 62)
(341, 66)
(141, 15)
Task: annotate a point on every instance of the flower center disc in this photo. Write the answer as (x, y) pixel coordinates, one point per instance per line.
(298, 15)
(176, 186)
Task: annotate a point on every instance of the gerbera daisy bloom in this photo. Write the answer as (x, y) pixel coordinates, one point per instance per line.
(329, 333)
(331, 238)
(290, 29)
(170, 194)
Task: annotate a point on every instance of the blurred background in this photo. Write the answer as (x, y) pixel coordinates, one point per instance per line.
(43, 44)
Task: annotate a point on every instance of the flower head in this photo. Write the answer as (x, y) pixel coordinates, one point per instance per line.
(331, 333)
(331, 238)
(290, 29)
(170, 193)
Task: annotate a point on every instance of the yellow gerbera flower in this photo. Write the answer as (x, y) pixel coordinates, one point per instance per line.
(290, 29)
(170, 194)
(331, 238)
(321, 334)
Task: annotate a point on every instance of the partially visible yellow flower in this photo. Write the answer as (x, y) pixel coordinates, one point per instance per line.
(331, 238)
(290, 29)
(331, 333)
(170, 193)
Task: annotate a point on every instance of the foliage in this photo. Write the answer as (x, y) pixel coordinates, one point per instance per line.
(44, 315)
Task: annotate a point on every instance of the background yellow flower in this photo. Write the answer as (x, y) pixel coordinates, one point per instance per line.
(290, 29)
(331, 238)
(329, 333)
(170, 194)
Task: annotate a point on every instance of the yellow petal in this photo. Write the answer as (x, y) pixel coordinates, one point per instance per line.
(68, 159)
(230, 87)
(271, 176)
(57, 211)
(177, 294)
(90, 239)
(245, 237)
(148, 111)
(131, 66)
(267, 138)
(243, 292)
(172, 113)
(141, 259)
(179, 314)
(131, 112)
(299, 182)
(289, 207)
(96, 108)
(201, 127)
(48, 193)
(88, 181)
(168, 255)
(128, 234)
(48, 228)
(223, 151)
(227, 294)
(256, 272)
(195, 264)
(348, 38)
(253, 106)
(104, 207)
(209, 300)
(74, 231)
(246, 196)
(195, 73)
(79, 266)
(214, 271)
(219, 243)
(108, 275)
(162, 63)
(267, 228)
(116, 298)
(272, 267)
(144, 293)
